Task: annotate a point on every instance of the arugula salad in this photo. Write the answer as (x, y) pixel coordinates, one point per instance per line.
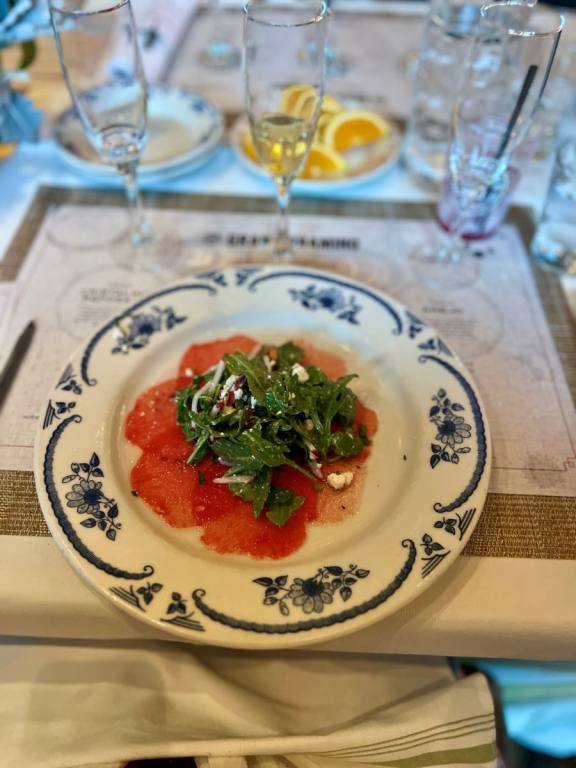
(258, 412)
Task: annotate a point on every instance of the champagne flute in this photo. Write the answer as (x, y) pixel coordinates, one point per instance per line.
(99, 54)
(283, 91)
(504, 78)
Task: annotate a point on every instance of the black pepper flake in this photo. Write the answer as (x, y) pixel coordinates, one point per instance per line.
(201, 478)
(134, 493)
(404, 457)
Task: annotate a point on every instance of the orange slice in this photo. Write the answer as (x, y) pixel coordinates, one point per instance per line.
(323, 161)
(331, 105)
(290, 97)
(353, 128)
(323, 121)
(248, 147)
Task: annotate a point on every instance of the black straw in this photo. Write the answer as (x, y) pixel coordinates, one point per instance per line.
(522, 96)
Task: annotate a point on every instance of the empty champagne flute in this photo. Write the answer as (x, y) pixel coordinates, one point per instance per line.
(283, 91)
(504, 78)
(100, 58)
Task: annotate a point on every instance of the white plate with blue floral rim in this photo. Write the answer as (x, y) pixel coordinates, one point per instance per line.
(183, 131)
(425, 486)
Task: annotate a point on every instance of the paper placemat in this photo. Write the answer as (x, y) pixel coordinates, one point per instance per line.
(356, 37)
(512, 328)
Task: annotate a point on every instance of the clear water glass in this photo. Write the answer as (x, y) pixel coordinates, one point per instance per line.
(505, 75)
(274, 37)
(554, 243)
(446, 41)
(220, 52)
(100, 58)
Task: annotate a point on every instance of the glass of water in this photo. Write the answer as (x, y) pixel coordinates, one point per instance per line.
(100, 58)
(504, 78)
(554, 243)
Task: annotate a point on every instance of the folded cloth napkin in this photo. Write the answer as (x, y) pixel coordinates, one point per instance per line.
(78, 704)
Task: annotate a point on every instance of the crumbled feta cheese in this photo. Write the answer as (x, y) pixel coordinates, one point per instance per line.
(268, 363)
(253, 402)
(188, 372)
(300, 372)
(339, 480)
(238, 394)
(309, 425)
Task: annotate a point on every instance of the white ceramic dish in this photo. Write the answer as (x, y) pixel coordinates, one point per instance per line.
(183, 131)
(426, 483)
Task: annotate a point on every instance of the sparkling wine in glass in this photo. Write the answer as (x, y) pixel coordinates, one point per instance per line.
(283, 91)
(505, 76)
(99, 54)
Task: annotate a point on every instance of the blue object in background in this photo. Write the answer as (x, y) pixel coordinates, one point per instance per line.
(538, 703)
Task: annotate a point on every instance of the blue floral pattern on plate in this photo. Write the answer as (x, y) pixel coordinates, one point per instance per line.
(451, 430)
(135, 330)
(311, 595)
(87, 497)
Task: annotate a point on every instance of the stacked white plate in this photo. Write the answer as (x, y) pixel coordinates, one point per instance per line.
(184, 129)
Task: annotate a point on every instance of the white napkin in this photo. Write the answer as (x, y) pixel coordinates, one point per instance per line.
(76, 704)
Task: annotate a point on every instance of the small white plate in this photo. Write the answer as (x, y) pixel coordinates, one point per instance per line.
(425, 485)
(183, 131)
(363, 175)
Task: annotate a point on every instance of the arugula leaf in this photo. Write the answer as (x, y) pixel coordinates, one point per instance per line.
(347, 407)
(254, 369)
(268, 453)
(257, 491)
(346, 444)
(201, 449)
(288, 354)
(238, 454)
(282, 502)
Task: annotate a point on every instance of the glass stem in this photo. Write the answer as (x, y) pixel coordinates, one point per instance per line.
(141, 231)
(456, 247)
(282, 241)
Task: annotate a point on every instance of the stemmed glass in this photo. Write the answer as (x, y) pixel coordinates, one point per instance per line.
(100, 58)
(282, 134)
(220, 53)
(505, 76)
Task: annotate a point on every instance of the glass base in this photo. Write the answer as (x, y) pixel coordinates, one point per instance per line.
(161, 254)
(440, 267)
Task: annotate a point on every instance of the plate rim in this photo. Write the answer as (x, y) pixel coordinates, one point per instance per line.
(296, 638)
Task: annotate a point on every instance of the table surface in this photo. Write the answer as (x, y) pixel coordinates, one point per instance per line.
(500, 607)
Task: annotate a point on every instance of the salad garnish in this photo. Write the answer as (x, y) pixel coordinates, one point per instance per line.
(258, 412)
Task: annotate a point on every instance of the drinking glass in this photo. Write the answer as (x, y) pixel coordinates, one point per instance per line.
(504, 78)
(220, 53)
(282, 132)
(100, 58)
(554, 243)
(337, 63)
